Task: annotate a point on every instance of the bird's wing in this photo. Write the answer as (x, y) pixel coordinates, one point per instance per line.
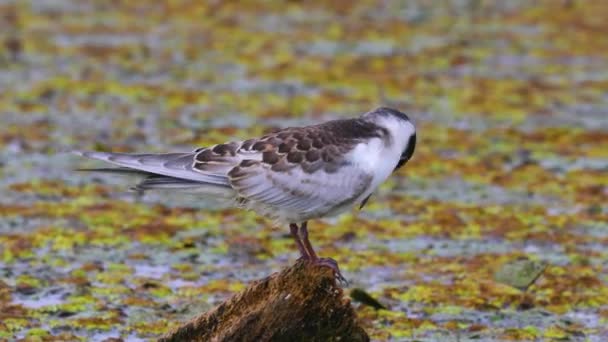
(306, 170)
(312, 155)
(296, 189)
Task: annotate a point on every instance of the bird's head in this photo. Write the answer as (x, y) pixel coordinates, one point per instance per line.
(399, 129)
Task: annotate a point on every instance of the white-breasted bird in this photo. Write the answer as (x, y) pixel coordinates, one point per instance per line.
(291, 176)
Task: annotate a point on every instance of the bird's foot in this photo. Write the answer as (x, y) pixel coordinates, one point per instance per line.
(333, 264)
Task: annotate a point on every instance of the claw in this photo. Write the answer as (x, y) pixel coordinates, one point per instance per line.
(333, 264)
(307, 253)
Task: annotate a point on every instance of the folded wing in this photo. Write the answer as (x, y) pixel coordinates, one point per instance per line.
(296, 191)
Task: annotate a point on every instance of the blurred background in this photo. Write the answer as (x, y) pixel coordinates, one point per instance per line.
(510, 102)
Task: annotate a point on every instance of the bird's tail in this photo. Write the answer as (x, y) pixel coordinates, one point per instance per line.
(154, 174)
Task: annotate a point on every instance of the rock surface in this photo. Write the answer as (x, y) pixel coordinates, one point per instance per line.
(300, 303)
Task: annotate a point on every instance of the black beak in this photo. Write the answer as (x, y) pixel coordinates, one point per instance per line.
(408, 153)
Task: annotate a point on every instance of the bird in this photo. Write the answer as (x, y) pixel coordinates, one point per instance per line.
(292, 175)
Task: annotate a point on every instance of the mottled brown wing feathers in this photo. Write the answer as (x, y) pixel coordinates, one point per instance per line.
(295, 168)
(309, 149)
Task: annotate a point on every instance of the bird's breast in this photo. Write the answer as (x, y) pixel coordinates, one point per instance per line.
(376, 159)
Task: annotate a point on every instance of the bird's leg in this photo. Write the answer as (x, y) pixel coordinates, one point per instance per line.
(312, 256)
(303, 234)
(293, 229)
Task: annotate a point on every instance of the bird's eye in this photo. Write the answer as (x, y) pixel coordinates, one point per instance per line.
(409, 151)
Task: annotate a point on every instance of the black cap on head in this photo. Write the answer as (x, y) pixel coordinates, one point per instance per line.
(388, 111)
